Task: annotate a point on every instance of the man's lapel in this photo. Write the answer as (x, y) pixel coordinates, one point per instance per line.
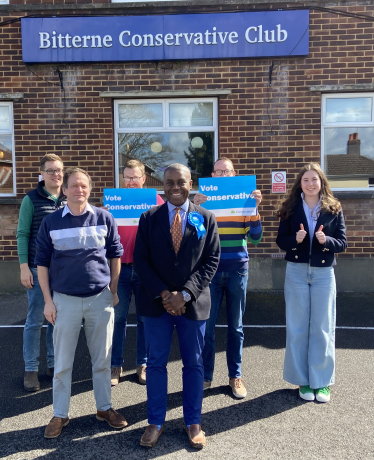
(163, 220)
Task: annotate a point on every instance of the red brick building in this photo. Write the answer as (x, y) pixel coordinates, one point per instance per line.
(266, 113)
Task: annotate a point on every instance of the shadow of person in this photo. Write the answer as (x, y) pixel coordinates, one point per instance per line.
(86, 437)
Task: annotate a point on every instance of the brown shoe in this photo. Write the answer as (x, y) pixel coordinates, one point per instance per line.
(50, 372)
(238, 387)
(113, 417)
(151, 435)
(55, 426)
(140, 371)
(196, 436)
(115, 374)
(31, 381)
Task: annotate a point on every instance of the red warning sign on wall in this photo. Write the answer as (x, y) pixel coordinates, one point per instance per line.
(278, 182)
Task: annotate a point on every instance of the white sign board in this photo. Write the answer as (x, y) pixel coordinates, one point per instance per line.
(278, 182)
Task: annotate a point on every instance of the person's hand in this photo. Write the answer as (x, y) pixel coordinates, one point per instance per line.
(115, 299)
(50, 312)
(301, 234)
(321, 237)
(26, 276)
(199, 199)
(174, 303)
(257, 196)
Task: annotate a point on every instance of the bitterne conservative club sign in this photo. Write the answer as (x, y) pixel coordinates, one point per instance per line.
(165, 37)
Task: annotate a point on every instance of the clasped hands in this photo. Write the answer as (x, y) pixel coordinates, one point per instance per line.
(300, 235)
(173, 302)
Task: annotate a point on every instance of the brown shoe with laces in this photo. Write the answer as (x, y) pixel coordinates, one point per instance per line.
(196, 436)
(113, 417)
(238, 387)
(55, 426)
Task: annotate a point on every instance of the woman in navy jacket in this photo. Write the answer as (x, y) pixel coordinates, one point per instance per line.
(311, 231)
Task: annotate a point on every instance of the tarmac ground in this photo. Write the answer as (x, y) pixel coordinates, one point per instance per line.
(272, 422)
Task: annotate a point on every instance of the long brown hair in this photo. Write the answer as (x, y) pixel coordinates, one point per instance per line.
(328, 202)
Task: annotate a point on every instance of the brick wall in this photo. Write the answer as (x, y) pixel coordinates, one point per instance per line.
(261, 128)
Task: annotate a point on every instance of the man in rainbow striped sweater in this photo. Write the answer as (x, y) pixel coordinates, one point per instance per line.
(230, 279)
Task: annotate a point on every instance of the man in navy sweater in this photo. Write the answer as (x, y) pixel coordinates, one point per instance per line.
(72, 249)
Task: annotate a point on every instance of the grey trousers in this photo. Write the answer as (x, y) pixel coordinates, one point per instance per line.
(98, 314)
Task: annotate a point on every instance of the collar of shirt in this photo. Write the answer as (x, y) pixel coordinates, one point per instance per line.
(183, 213)
(312, 213)
(88, 208)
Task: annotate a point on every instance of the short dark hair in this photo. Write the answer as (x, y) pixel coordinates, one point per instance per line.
(74, 170)
(177, 167)
(49, 157)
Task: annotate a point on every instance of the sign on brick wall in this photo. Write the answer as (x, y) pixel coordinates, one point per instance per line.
(167, 37)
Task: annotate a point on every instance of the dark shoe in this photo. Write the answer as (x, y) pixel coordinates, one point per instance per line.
(196, 436)
(51, 372)
(140, 371)
(115, 374)
(31, 381)
(113, 417)
(55, 426)
(151, 435)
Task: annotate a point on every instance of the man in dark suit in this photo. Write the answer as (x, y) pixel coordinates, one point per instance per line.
(176, 254)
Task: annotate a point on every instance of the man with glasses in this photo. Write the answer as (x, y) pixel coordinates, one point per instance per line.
(230, 279)
(133, 177)
(35, 206)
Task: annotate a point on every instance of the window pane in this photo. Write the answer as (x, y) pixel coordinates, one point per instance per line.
(158, 150)
(191, 114)
(4, 117)
(140, 115)
(349, 157)
(348, 109)
(6, 165)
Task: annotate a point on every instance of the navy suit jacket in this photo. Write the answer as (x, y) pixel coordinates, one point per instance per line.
(322, 254)
(159, 268)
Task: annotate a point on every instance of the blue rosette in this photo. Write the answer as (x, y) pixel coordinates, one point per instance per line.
(197, 220)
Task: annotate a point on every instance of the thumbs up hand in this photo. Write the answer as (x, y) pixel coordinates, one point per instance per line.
(321, 237)
(300, 235)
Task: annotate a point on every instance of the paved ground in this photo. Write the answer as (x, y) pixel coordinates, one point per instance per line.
(271, 423)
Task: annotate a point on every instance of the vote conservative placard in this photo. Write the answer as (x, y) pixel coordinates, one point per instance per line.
(128, 204)
(229, 196)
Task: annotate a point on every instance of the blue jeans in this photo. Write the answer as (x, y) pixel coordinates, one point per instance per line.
(128, 283)
(310, 295)
(34, 323)
(158, 335)
(234, 285)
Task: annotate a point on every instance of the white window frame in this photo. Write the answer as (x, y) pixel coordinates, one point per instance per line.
(11, 132)
(165, 128)
(361, 124)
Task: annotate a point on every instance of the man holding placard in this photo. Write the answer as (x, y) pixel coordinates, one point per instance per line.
(133, 178)
(235, 226)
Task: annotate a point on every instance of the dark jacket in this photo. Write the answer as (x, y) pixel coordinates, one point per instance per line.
(159, 268)
(322, 254)
(43, 205)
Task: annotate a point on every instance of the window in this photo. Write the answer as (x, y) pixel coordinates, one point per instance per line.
(7, 166)
(347, 140)
(4, 2)
(160, 132)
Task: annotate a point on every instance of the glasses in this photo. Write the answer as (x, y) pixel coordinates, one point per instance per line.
(134, 179)
(51, 172)
(223, 172)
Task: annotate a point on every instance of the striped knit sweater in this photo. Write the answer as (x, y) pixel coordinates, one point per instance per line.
(232, 234)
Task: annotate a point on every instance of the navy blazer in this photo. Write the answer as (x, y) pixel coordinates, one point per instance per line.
(159, 268)
(322, 255)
